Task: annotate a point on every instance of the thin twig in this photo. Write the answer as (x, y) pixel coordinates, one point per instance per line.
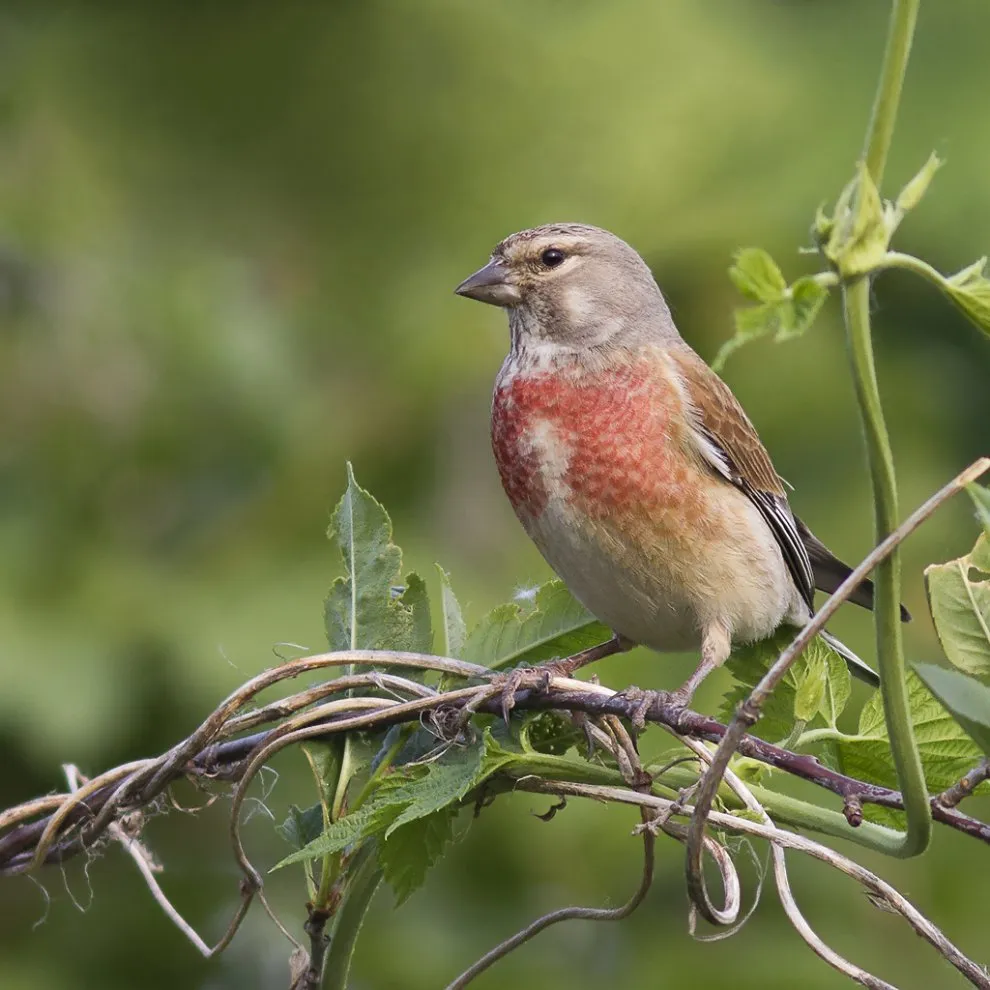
(621, 742)
(882, 891)
(750, 710)
(951, 796)
(147, 867)
(787, 898)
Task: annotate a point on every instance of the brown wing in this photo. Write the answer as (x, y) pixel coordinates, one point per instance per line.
(728, 441)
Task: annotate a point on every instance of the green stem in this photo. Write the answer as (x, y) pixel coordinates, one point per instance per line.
(791, 811)
(894, 259)
(887, 578)
(881, 130)
(383, 766)
(364, 876)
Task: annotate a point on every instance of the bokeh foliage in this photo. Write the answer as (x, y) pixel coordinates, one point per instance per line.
(228, 236)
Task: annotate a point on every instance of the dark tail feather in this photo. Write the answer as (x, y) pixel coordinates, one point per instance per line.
(858, 668)
(830, 572)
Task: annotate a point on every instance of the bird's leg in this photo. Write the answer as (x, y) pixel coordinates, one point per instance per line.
(716, 645)
(540, 675)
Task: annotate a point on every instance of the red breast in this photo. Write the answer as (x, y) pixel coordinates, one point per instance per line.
(605, 440)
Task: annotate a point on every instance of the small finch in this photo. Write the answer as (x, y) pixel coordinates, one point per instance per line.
(631, 464)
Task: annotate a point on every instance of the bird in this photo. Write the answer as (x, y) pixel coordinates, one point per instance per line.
(631, 464)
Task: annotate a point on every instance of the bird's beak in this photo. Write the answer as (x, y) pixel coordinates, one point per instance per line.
(491, 285)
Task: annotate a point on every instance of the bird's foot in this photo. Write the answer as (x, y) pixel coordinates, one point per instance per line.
(645, 700)
(526, 678)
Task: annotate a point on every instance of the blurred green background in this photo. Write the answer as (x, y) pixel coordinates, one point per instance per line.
(228, 239)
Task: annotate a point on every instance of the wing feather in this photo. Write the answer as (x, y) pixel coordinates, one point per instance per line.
(728, 441)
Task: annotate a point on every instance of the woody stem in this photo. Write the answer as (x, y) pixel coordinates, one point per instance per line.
(856, 310)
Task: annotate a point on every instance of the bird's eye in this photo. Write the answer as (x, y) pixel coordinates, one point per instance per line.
(552, 257)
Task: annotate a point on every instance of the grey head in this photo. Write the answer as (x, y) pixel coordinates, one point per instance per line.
(575, 286)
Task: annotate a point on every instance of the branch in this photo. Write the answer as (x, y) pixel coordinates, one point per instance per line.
(952, 796)
(70, 827)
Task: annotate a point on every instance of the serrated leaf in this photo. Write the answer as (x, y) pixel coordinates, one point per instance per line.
(965, 697)
(959, 600)
(339, 835)
(911, 194)
(981, 499)
(947, 752)
(749, 662)
(454, 629)
(406, 854)
(557, 625)
(444, 783)
(756, 275)
(838, 687)
(810, 689)
(786, 317)
(806, 300)
(324, 762)
(360, 611)
(969, 289)
(497, 757)
(301, 827)
(408, 794)
(858, 239)
(420, 639)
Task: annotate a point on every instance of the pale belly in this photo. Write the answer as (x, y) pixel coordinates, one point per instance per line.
(660, 589)
(601, 475)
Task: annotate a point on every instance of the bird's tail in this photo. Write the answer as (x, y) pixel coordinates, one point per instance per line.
(857, 667)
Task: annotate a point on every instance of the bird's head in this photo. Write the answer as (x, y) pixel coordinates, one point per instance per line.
(572, 285)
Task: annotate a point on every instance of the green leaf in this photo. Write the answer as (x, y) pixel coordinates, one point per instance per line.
(324, 761)
(497, 757)
(550, 732)
(911, 194)
(557, 625)
(361, 611)
(367, 820)
(410, 793)
(789, 313)
(301, 827)
(749, 662)
(947, 752)
(981, 499)
(807, 297)
(454, 629)
(810, 690)
(407, 853)
(959, 600)
(860, 233)
(838, 687)
(967, 699)
(756, 275)
(414, 598)
(444, 783)
(970, 291)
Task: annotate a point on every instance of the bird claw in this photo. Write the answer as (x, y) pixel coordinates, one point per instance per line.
(645, 700)
(522, 678)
